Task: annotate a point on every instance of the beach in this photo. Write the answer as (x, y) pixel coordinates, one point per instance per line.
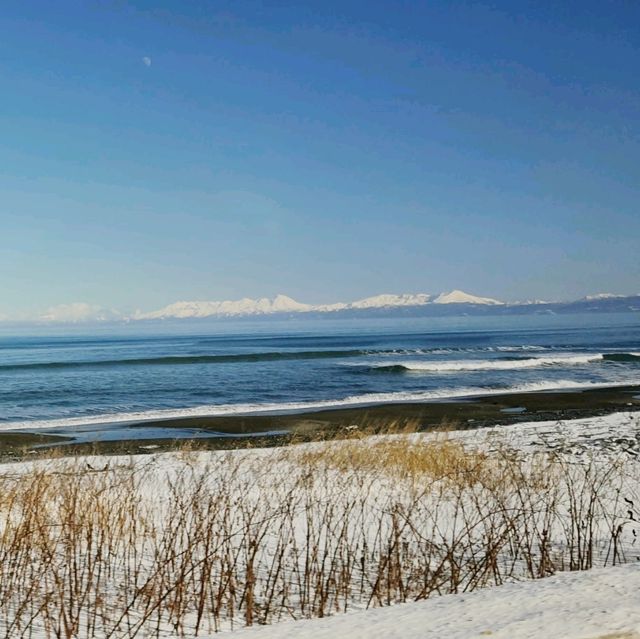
(238, 431)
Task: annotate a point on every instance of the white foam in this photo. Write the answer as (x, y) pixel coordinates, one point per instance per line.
(216, 410)
(493, 364)
(516, 349)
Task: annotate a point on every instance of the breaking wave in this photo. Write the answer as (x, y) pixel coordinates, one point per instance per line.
(505, 363)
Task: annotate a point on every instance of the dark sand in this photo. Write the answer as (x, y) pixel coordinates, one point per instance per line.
(234, 431)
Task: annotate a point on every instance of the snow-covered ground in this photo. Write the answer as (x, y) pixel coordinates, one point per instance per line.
(614, 434)
(596, 604)
(601, 603)
(310, 536)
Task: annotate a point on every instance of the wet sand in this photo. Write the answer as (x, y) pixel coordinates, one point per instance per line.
(235, 431)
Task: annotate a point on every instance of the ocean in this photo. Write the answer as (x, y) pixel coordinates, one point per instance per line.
(136, 372)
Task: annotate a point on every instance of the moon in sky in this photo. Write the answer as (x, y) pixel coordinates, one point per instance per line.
(146, 61)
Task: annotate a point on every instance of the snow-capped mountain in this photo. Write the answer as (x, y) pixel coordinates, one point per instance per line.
(285, 304)
(245, 306)
(378, 301)
(602, 296)
(460, 297)
(455, 302)
(384, 301)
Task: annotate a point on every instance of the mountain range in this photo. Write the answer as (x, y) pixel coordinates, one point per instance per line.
(285, 304)
(452, 303)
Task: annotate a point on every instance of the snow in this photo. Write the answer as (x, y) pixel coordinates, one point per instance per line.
(279, 304)
(603, 603)
(460, 297)
(245, 306)
(285, 304)
(595, 604)
(604, 435)
(83, 312)
(386, 300)
(330, 308)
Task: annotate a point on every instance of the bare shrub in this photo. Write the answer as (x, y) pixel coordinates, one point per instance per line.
(189, 543)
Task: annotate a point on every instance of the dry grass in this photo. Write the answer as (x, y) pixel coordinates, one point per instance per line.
(403, 457)
(134, 548)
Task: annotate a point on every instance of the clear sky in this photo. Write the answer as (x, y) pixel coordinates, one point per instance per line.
(160, 151)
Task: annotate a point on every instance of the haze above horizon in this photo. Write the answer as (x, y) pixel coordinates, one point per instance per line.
(155, 152)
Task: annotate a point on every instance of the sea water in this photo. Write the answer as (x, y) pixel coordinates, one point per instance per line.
(79, 376)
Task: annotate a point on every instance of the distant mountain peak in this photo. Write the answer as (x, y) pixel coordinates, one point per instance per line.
(245, 306)
(286, 303)
(387, 299)
(460, 297)
(602, 296)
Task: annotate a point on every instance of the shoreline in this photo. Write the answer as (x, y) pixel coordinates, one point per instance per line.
(268, 429)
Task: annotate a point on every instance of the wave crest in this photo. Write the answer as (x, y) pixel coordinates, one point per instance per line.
(505, 363)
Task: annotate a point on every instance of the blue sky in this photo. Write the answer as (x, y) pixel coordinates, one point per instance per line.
(327, 150)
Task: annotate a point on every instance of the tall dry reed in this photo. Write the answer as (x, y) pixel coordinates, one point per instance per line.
(190, 543)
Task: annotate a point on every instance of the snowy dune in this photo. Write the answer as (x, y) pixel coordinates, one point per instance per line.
(600, 437)
(597, 604)
(273, 501)
(602, 603)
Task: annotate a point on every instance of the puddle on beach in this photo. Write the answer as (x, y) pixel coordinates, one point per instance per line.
(89, 434)
(516, 410)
